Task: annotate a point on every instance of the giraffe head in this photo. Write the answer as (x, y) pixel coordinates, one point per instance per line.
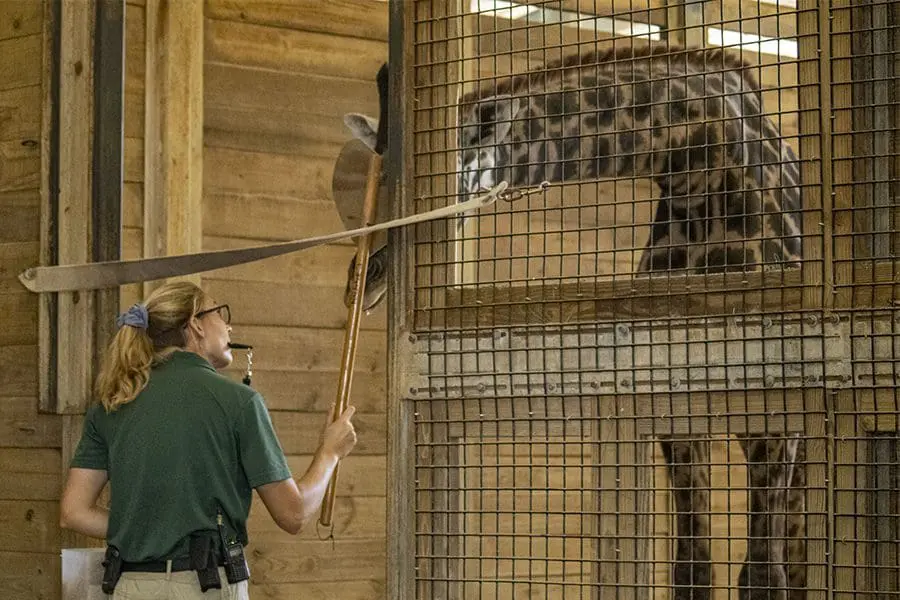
(484, 130)
(365, 128)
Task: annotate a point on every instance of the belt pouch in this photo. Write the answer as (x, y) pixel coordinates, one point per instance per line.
(204, 563)
(112, 569)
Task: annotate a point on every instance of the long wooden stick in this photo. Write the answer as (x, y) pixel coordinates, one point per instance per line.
(353, 317)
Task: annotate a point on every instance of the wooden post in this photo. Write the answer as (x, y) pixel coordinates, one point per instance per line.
(173, 125)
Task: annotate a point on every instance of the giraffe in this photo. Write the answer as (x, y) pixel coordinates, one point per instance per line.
(691, 120)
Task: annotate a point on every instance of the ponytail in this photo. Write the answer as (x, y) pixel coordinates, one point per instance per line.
(148, 334)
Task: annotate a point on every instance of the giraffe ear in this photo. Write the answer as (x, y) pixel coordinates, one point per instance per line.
(488, 121)
(364, 128)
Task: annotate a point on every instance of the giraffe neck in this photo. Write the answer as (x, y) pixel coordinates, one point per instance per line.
(724, 173)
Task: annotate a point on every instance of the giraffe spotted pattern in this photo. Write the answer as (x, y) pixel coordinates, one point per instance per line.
(692, 121)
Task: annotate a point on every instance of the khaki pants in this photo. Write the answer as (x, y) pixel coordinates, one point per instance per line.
(182, 585)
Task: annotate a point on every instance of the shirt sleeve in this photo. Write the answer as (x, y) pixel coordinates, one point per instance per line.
(261, 454)
(92, 451)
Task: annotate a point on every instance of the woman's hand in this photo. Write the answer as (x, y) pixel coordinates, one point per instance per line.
(339, 437)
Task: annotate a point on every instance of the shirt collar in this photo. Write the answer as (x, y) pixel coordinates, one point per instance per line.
(186, 357)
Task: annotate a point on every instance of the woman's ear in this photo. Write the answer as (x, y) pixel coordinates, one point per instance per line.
(193, 330)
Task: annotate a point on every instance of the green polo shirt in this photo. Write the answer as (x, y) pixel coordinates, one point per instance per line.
(191, 439)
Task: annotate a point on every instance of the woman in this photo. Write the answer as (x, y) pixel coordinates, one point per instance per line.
(180, 445)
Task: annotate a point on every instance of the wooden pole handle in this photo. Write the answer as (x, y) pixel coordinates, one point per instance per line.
(353, 317)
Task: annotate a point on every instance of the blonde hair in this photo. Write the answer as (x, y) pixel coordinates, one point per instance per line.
(126, 364)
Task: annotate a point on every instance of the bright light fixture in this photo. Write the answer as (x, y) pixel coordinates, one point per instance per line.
(754, 43)
(535, 14)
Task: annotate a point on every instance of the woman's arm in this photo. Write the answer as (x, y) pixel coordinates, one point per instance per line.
(293, 504)
(78, 508)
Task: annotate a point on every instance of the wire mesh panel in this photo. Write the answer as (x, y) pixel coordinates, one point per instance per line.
(669, 134)
(648, 379)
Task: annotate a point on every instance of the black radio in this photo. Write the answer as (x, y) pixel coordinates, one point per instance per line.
(236, 567)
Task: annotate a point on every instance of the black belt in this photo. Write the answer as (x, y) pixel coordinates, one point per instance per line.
(182, 563)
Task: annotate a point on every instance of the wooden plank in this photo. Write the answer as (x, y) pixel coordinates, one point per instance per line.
(29, 525)
(258, 217)
(239, 133)
(281, 302)
(346, 590)
(15, 257)
(261, 173)
(310, 391)
(19, 310)
(231, 85)
(20, 113)
(314, 561)
(76, 311)
(354, 517)
(295, 51)
(20, 218)
(242, 121)
(361, 476)
(30, 474)
(20, 18)
(20, 367)
(173, 151)
(133, 206)
(29, 575)
(351, 18)
(22, 427)
(622, 297)
(842, 143)
(135, 48)
(322, 266)
(21, 65)
(20, 166)
(301, 350)
(299, 433)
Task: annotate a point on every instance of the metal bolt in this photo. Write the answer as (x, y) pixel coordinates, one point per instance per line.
(412, 391)
(676, 382)
(594, 385)
(766, 322)
(770, 380)
(412, 337)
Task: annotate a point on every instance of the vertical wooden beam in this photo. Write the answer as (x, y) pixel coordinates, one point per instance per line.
(108, 171)
(48, 304)
(401, 434)
(173, 132)
(815, 152)
(841, 141)
(75, 319)
(685, 23)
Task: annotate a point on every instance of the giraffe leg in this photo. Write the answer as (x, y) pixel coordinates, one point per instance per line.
(769, 466)
(796, 527)
(688, 465)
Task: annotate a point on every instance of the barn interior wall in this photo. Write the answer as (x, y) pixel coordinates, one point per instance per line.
(29, 442)
(278, 79)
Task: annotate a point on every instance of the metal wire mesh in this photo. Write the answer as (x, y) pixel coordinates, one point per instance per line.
(672, 374)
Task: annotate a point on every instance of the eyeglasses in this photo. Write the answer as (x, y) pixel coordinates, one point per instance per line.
(223, 311)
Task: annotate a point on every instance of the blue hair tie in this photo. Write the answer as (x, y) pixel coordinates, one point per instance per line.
(135, 316)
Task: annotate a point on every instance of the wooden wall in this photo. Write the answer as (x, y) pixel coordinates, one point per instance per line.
(29, 443)
(278, 78)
